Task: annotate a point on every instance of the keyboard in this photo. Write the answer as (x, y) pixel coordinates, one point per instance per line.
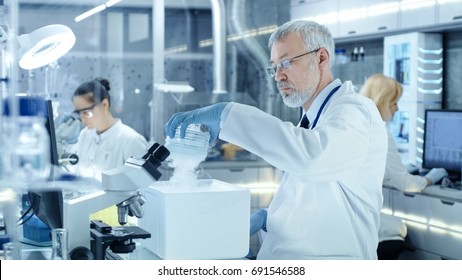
(454, 177)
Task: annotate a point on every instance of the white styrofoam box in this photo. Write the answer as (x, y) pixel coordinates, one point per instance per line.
(207, 220)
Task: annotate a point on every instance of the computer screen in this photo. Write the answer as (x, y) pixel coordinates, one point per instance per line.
(443, 140)
(48, 205)
(50, 126)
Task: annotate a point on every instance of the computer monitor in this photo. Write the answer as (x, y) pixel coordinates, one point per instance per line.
(48, 205)
(50, 126)
(443, 141)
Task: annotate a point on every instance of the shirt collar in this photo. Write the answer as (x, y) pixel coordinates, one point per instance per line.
(108, 133)
(316, 105)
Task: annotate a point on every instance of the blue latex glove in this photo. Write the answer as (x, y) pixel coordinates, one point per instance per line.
(258, 221)
(68, 129)
(209, 116)
(436, 174)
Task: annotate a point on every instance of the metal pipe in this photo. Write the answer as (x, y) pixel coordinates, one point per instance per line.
(219, 46)
(256, 54)
(157, 105)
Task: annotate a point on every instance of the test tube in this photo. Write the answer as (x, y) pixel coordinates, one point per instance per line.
(59, 239)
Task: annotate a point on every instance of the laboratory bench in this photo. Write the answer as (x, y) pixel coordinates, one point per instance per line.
(240, 172)
(433, 220)
(31, 252)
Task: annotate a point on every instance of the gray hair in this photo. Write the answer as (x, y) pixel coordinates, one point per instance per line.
(314, 36)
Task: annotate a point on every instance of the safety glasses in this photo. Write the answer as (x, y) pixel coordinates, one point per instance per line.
(86, 112)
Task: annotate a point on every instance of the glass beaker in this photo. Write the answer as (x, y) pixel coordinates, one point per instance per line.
(25, 141)
(31, 154)
(59, 239)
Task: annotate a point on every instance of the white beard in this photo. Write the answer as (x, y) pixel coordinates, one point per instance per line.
(295, 100)
(298, 98)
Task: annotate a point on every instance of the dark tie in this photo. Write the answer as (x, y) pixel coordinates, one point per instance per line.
(305, 123)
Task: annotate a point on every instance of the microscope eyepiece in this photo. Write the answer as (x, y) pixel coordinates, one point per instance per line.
(156, 155)
(161, 153)
(151, 150)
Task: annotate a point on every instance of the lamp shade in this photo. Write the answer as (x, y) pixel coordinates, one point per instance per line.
(44, 45)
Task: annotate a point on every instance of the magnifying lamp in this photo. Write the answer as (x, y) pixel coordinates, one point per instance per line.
(44, 45)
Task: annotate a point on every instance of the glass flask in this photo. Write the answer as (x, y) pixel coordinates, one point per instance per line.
(25, 141)
(31, 150)
(59, 239)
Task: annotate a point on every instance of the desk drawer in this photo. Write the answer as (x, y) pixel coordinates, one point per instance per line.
(439, 241)
(434, 225)
(430, 210)
(446, 213)
(411, 206)
(418, 255)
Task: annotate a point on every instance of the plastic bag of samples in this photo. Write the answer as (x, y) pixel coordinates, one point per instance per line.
(187, 153)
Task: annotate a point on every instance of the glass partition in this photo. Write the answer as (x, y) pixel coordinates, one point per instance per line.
(128, 43)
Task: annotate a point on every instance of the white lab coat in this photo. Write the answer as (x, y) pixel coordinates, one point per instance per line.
(110, 149)
(396, 174)
(328, 203)
(391, 228)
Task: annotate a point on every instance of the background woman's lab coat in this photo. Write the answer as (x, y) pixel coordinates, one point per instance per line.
(110, 149)
(397, 175)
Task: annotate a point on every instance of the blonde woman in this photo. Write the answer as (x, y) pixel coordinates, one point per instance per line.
(386, 92)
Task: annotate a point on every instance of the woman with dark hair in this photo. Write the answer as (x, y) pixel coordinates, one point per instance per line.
(105, 142)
